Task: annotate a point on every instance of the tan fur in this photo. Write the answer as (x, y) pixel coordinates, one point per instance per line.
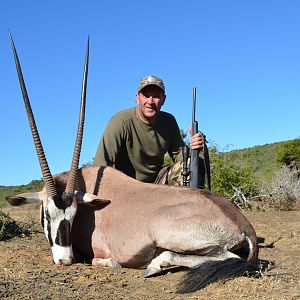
(144, 218)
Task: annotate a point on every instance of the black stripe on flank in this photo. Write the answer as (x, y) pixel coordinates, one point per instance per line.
(98, 179)
(63, 234)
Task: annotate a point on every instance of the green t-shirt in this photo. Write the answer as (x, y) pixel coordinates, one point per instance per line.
(135, 148)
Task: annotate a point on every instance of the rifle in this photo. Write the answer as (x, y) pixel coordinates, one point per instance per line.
(194, 163)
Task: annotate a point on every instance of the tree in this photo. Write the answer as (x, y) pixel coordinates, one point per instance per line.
(289, 154)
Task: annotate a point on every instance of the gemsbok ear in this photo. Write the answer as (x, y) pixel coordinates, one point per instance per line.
(90, 199)
(25, 198)
(16, 200)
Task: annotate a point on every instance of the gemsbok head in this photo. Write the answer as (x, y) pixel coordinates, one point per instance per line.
(58, 207)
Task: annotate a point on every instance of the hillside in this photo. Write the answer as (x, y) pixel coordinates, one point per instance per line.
(261, 159)
(34, 185)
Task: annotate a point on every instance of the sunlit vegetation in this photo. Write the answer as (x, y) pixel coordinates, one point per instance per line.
(253, 178)
(7, 191)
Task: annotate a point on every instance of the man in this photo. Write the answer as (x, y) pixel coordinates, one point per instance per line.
(136, 139)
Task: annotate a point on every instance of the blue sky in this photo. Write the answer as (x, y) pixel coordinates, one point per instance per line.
(243, 57)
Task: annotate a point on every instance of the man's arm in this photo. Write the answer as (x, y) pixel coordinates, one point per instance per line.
(174, 150)
(110, 144)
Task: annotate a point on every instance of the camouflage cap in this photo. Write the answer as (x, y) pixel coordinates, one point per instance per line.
(149, 80)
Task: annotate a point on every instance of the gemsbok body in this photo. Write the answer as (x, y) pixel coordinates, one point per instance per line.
(113, 220)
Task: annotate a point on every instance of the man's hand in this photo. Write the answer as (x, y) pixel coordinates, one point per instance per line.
(197, 141)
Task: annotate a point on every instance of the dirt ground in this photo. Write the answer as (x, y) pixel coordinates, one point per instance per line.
(27, 271)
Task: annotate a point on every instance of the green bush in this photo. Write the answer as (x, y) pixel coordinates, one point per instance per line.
(168, 160)
(289, 154)
(10, 228)
(232, 179)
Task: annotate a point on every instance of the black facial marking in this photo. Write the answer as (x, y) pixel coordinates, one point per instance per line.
(63, 234)
(42, 215)
(48, 218)
(63, 201)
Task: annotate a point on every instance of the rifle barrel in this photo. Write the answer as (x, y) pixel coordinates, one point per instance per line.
(194, 106)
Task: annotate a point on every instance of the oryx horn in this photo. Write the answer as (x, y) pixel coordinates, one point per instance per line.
(48, 179)
(71, 184)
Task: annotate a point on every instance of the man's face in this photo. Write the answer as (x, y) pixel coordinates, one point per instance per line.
(150, 99)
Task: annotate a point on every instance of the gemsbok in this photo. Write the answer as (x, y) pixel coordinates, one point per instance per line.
(110, 219)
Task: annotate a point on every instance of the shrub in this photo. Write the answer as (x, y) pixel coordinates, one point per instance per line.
(283, 191)
(168, 160)
(289, 154)
(232, 179)
(10, 228)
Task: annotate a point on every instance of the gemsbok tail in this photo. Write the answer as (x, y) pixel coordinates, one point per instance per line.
(215, 270)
